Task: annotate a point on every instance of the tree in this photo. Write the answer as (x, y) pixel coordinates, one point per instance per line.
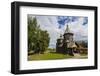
(44, 41)
(84, 44)
(38, 40)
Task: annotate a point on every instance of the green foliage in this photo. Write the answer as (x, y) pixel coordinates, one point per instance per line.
(84, 44)
(38, 40)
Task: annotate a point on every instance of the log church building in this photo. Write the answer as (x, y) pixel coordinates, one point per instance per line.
(66, 44)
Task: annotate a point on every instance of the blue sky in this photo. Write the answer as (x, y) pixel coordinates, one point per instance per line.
(56, 25)
(62, 20)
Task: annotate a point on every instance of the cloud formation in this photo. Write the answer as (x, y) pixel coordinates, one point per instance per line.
(56, 25)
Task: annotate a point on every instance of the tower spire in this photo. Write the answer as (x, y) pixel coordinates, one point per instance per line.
(67, 29)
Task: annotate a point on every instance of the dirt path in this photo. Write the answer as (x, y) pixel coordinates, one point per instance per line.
(76, 56)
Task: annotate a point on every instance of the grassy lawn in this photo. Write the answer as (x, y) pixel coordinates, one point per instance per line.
(48, 56)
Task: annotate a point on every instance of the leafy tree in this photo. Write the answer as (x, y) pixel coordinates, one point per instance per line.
(38, 40)
(84, 44)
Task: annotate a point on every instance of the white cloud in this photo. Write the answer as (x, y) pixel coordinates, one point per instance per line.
(50, 24)
(80, 31)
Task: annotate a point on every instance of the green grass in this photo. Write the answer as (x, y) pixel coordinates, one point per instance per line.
(48, 56)
(54, 56)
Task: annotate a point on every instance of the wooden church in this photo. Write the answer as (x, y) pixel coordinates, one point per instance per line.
(66, 44)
